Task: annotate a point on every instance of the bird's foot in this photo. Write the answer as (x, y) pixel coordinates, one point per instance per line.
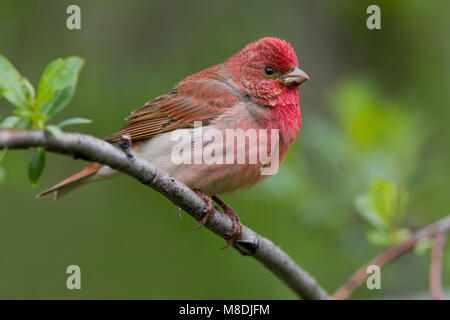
(236, 231)
(209, 212)
(237, 226)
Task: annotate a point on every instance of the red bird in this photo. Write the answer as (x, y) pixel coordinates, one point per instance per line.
(257, 88)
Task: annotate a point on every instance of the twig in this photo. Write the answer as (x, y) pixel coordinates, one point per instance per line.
(436, 267)
(251, 243)
(438, 227)
(125, 144)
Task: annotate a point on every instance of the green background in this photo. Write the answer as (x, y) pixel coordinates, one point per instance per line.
(377, 105)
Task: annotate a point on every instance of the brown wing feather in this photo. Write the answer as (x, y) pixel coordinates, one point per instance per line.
(191, 100)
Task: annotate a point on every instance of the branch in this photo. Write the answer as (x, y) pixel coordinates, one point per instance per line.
(432, 230)
(436, 267)
(96, 150)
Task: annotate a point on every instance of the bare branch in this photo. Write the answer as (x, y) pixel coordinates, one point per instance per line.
(93, 149)
(439, 227)
(436, 267)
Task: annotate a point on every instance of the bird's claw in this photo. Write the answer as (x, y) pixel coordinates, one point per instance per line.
(236, 231)
(209, 211)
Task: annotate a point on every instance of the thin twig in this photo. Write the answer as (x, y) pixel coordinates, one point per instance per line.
(251, 243)
(440, 226)
(436, 267)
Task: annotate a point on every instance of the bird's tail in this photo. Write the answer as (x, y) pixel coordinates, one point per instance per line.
(73, 183)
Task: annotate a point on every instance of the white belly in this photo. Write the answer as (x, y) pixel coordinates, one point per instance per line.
(212, 178)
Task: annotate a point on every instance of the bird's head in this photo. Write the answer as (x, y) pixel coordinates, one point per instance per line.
(267, 70)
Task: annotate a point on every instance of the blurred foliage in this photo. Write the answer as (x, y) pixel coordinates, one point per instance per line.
(374, 143)
(383, 208)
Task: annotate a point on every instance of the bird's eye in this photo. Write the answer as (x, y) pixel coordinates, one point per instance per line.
(268, 70)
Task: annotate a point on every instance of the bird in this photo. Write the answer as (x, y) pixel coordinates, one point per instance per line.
(256, 88)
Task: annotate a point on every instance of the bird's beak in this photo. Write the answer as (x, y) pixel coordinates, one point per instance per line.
(295, 78)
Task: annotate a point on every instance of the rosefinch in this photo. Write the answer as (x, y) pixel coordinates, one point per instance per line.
(257, 88)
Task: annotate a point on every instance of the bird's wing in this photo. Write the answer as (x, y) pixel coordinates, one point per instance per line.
(194, 100)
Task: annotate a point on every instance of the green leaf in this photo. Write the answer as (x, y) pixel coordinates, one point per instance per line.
(54, 130)
(15, 88)
(23, 113)
(73, 121)
(24, 123)
(400, 235)
(21, 121)
(59, 101)
(29, 91)
(37, 165)
(378, 238)
(423, 247)
(57, 85)
(364, 207)
(383, 194)
(9, 122)
(388, 201)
